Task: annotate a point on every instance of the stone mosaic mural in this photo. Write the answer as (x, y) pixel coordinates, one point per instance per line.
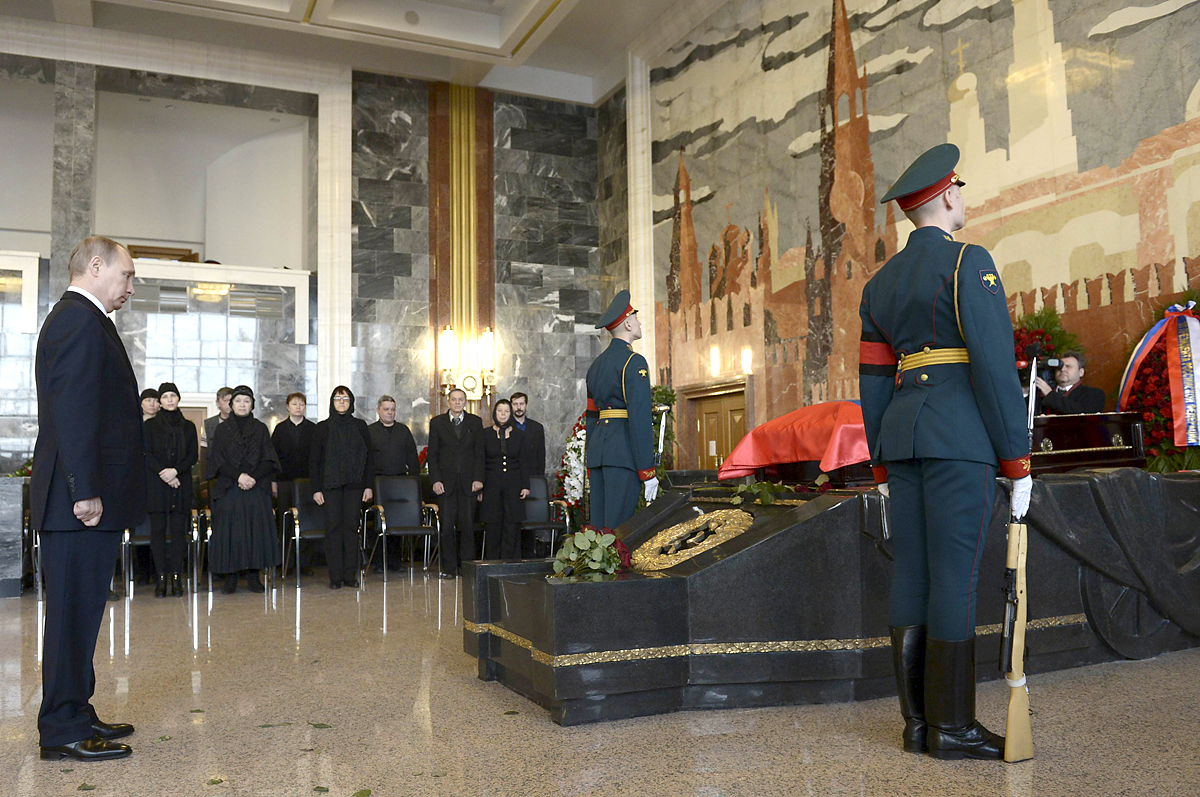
(777, 125)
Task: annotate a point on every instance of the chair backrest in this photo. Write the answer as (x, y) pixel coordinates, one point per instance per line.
(140, 535)
(537, 503)
(312, 515)
(400, 497)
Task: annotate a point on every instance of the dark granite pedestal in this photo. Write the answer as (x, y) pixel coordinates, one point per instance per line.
(11, 535)
(791, 610)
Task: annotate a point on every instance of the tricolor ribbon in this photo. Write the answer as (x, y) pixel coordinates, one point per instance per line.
(1182, 331)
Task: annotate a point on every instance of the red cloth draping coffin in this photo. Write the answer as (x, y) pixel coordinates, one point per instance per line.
(831, 433)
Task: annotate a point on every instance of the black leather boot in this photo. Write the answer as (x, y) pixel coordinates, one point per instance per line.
(908, 660)
(950, 703)
(254, 582)
(176, 585)
(160, 587)
(230, 586)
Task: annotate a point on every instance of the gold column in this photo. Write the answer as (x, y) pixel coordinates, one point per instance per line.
(463, 234)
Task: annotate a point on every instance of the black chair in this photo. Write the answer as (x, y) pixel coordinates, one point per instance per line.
(539, 518)
(303, 520)
(400, 512)
(133, 538)
(198, 546)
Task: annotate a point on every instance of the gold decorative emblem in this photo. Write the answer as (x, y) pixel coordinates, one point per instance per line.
(1117, 440)
(990, 279)
(684, 540)
(1025, 464)
(1046, 445)
(642, 373)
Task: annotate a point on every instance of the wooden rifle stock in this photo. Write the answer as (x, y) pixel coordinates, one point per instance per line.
(1018, 741)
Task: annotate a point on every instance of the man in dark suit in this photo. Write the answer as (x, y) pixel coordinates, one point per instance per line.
(455, 460)
(88, 485)
(535, 434)
(393, 449)
(224, 408)
(1070, 396)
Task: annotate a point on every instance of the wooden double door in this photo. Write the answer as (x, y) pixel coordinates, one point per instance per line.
(720, 424)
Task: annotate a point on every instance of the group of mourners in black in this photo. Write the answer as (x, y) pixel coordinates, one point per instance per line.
(248, 466)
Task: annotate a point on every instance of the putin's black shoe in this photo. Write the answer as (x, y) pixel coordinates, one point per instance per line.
(93, 749)
(111, 731)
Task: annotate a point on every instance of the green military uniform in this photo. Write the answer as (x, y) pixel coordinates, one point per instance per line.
(943, 410)
(620, 427)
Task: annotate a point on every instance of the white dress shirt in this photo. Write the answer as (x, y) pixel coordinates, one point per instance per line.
(91, 298)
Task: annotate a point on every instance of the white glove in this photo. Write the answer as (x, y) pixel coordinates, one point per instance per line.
(1022, 488)
(650, 488)
(883, 490)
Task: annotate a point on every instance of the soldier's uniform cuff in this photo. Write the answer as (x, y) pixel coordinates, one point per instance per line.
(1015, 468)
(646, 474)
(592, 410)
(880, 473)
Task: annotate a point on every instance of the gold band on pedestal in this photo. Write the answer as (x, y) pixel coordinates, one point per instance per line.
(730, 648)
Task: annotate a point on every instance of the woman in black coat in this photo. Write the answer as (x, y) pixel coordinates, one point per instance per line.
(340, 471)
(505, 483)
(242, 463)
(171, 451)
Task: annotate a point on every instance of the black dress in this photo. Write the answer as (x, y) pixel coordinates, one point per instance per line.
(340, 470)
(243, 527)
(505, 475)
(170, 443)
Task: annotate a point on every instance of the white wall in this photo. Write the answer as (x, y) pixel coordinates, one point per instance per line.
(152, 158)
(26, 165)
(255, 202)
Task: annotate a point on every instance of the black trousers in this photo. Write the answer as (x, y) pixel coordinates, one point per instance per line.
(501, 512)
(342, 511)
(168, 553)
(456, 513)
(78, 569)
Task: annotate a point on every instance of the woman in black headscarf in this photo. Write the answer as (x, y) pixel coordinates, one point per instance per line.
(505, 483)
(241, 463)
(171, 451)
(341, 470)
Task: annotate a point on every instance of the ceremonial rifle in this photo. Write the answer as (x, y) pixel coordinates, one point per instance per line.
(1018, 735)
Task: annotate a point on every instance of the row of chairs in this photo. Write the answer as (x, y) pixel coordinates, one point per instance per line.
(399, 512)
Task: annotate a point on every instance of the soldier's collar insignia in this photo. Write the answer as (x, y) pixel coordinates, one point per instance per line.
(990, 280)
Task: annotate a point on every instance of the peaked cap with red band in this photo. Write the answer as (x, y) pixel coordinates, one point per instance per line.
(927, 177)
(618, 311)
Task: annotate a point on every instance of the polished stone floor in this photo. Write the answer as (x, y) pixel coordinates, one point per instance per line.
(288, 694)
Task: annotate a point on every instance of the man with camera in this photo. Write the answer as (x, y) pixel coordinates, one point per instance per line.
(1070, 396)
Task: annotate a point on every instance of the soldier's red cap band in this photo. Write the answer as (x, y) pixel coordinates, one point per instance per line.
(646, 474)
(880, 473)
(918, 198)
(591, 406)
(624, 314)
(1015, 468)
(875, 354)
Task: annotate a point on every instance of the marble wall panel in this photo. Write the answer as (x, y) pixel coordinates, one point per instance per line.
(72, 214)
(613, 204)
(391, 335)
(212, 92)
(548, 237)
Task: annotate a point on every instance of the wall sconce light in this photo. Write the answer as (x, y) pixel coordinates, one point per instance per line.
(210, 291)
(468, 364)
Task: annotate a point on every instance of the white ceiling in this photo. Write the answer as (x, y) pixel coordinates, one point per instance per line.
(565, 49)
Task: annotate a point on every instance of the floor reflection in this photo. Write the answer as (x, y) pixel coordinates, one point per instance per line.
(370, 689)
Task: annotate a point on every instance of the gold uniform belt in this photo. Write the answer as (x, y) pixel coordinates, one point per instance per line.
(606, 414)
(928, 357)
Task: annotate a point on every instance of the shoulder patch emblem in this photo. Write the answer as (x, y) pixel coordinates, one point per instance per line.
(990, 280)
(642, 373)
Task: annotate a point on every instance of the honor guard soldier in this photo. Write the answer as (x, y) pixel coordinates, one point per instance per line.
(943, 410)
(620, 428)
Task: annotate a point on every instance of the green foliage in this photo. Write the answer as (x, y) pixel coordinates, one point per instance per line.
(763, 492)
(588, 553)
(1048, 319)
(1174, 460)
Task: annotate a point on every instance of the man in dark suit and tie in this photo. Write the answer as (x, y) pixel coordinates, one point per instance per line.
(455, 460)
(1069, 396)
(88, 485)
(535, 434)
